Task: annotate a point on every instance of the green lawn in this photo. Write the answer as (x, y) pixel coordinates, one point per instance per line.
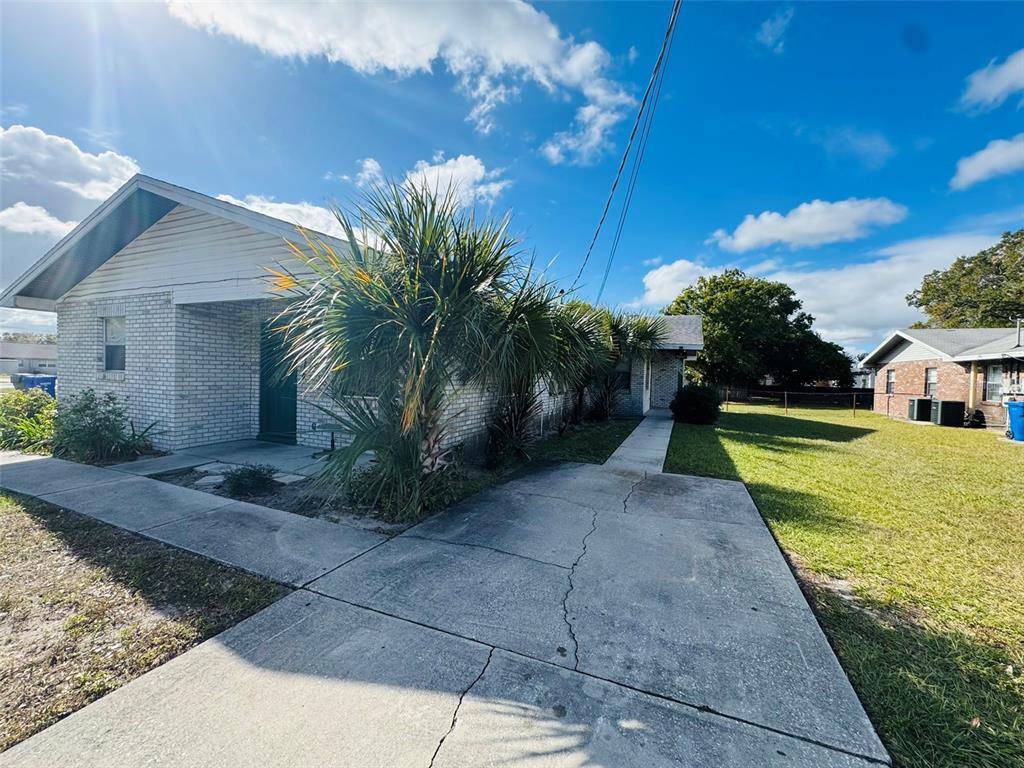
(909, 541)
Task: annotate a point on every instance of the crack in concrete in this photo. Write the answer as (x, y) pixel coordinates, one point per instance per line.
(458, 706)
(572, 586)
(481, 546)
(625, 501)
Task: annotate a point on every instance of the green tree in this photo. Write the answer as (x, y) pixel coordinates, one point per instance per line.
(755, 327)
(985, 290)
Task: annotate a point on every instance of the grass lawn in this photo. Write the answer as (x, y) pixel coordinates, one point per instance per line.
(86, 607)
(909, 541)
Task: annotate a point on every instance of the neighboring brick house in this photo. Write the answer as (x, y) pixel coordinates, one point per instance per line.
(981, 367)
(161, 296)
(653, 383)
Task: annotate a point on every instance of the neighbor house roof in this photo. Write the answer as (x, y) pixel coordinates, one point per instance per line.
(19, 350)
(683, 332)
(134, 208)
(955, 344)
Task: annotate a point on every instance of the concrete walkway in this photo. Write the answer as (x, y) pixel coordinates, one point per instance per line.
(646, 446)
(577, 615)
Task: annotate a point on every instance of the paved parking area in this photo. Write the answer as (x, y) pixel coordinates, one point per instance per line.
(577, 615)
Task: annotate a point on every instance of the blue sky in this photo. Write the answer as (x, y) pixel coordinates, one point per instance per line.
(845, 148)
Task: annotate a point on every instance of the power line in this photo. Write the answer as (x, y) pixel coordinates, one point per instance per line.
(640, 115)
(638, 159)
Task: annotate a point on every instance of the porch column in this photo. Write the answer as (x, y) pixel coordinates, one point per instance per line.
(971, 395)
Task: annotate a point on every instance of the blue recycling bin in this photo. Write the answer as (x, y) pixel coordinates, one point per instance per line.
(1015, 416)
(45, 382)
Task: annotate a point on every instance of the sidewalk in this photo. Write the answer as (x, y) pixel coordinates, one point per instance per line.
(287, 548)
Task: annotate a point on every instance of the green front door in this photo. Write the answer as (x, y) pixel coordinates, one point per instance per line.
(278, 391)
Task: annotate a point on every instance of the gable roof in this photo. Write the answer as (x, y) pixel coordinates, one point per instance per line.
(135, 207)
(683, 332)
(955, 344)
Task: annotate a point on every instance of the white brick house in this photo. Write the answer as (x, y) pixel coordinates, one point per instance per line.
(653, 383)
(161, 295)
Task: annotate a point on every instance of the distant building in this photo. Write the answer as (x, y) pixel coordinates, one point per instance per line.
(19, 357)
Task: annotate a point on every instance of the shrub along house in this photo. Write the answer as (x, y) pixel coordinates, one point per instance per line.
(980, 367)
(162, 299)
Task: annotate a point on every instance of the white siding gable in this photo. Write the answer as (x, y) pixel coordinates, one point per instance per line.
(196, 256)
(907, 351)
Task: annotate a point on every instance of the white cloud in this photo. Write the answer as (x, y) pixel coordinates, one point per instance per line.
(25, 219)
(26, 320)
(871, 148)
(998, 158)
(989, 87)
(853, 304)
(307, 215)
(28, 153)
(653, 262)
(465, 174)
(809, 224)
(370, 173)
(857, 304)
(490, 48)
(772, 30)
(662, 284)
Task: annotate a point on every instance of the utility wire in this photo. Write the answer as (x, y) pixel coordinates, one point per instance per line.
(632, 134)
(638, 159)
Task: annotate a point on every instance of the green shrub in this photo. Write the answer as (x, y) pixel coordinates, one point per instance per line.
(250, 480)
(26, 419)
(696, 404)
(374, 487)
(95, 429)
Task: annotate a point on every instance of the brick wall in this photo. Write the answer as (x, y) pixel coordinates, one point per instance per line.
(146, 386)
(666, 368)
(217, 376)
(953, 383)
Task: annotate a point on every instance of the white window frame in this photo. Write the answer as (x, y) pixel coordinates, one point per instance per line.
(890, 381)
(931, 382)
(107, 343)
(991, 385)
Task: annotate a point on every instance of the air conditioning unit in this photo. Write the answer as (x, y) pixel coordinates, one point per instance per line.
(919, 409)
(948, 413)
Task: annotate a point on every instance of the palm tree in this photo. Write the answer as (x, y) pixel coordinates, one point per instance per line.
(541, 342)
(389, 331)
(623, 338)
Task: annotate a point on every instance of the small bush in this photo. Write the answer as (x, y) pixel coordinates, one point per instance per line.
(372, 487)
(94, 429)
(250, 480)
(696, 404)
(26, 420)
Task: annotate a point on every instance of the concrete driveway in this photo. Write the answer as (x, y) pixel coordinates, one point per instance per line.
(578, 615)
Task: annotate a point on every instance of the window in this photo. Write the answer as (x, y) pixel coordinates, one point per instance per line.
(994, 382)
(890, 382)
(931, 381)
(113, 343)
(623, 374)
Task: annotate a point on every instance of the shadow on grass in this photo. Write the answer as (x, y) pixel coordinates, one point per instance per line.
(939, 698)
(780, 426)
(165, 577)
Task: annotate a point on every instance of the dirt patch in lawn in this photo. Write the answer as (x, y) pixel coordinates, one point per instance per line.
(86, 607)
(303, 497)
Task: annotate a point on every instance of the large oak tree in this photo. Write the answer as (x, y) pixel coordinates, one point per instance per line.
(985, 290)
(754, 328)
